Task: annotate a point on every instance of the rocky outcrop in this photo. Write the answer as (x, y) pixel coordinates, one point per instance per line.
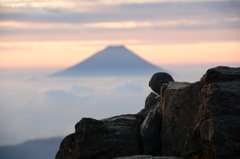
(103, 139)
(203, 116)
(196, 121)
(178, 116)
(167, 91)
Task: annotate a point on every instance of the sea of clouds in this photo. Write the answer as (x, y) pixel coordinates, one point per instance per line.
(36, 106)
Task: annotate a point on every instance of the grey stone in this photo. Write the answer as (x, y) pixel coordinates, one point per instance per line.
(221, 73)
(151, 102)
(167, 91)
(178, 117)
(67, 148)
(158, 79)
(223, 134)
(221, 98)
(107, 138)
(150, 131)
(203, 116)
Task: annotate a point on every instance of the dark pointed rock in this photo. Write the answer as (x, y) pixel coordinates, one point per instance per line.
(152, 101)
(150, 131)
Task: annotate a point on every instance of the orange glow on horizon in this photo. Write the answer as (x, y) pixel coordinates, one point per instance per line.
(66, 54)
(106, 25)
(200, 53)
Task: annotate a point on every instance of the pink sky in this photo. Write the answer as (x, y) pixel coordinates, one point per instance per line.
(63, 33)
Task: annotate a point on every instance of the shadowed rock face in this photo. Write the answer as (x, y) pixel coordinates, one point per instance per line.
(103, 139)
(67, 148)
(203, 115)
(178, 116)
(150, 131)
(152, 101)
(221, 73)
(199, 119)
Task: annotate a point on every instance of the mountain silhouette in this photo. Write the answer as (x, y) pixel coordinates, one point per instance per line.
(114, 60)
(35, 149)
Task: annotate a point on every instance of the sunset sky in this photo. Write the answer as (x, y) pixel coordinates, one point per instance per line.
(41, 37)
(61, 33)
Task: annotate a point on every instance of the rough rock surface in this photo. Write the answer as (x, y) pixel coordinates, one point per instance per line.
(148, 157)
(204, 116)
(103, 139)
(221, 73)
(198, 120)
(152, 101)
(67, 148)
(178, 117)
(158, 79)
(167, 91)
(150, 131)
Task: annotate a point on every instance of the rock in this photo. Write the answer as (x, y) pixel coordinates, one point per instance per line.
(150, 131)
(178, 116)
(221, 98)
(148, 157)
(223, 133)
(198, 120)
(67, 148)
(221, 73)
(220, 102)
(202, 119)
(167, 91)
(158, 79)
(152, 101)
(104, 139)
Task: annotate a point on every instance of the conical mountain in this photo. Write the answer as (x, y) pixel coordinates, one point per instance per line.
(114, 60)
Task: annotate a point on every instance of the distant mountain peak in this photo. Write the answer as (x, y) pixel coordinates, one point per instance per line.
(113, 60)
(116, 47)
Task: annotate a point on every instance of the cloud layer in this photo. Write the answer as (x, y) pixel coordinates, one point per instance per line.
(61, 29)
(95, 16)
(46, 107)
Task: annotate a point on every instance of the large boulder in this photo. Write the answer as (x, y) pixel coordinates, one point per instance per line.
(219, 113)
(202, 119)
(167, 91)
(150, 131)
(223, 134)
(178, 116)
(104, 139)
(221, 73)
(158, 79)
